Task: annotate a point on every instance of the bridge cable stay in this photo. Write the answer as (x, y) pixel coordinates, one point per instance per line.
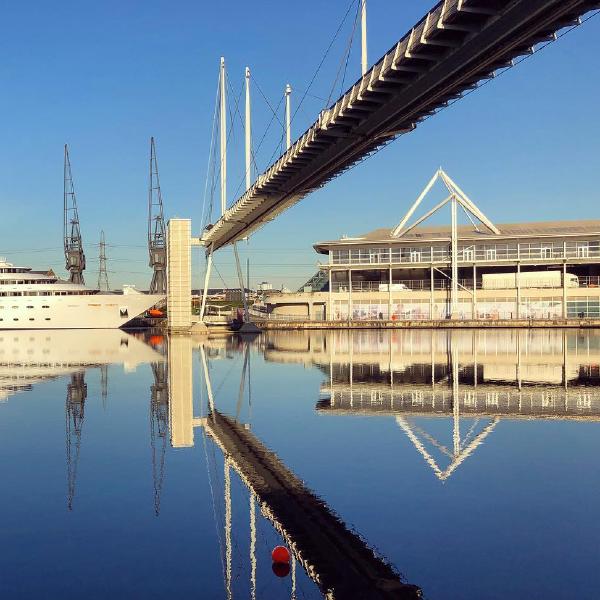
(345, 57)
(210, 166)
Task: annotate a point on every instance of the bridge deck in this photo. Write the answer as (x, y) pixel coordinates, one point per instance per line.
(456, 45)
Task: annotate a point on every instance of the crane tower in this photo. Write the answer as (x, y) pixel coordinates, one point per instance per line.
(156, 229)
(74, 256)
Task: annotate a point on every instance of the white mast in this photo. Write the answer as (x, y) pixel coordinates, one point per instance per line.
(363, 21)
(248, 129)
(223, 123)
(288, 130)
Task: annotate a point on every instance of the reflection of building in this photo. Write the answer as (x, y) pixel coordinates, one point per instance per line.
(524, 270)
(472, 376)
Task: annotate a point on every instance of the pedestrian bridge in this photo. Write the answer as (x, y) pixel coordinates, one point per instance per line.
(455, 46)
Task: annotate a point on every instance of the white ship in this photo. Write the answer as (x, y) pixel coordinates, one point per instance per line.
(40, 300)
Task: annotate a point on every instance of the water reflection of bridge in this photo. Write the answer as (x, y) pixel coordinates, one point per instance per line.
(337, 559)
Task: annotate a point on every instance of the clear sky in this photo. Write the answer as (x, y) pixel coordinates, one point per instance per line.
(105, 76)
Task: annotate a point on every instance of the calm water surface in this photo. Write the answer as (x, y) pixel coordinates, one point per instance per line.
(451, 464)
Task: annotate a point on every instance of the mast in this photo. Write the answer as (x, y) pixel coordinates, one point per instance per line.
(74, 256)
(223, 132)
(156, 228)
(364, 63)
(288, 117)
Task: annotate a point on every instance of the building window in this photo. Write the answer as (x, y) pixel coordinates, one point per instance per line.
(415, 256)
(490, 254)
(583, 249)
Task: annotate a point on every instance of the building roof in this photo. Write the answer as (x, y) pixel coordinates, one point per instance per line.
(431, 233)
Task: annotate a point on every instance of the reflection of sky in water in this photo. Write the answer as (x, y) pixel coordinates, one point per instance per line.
(363, 419)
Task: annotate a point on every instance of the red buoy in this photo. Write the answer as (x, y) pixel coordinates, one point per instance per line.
(280, 554)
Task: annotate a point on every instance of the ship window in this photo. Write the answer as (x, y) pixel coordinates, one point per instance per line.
(15, 319)
(31, 319)
(30, 306)
(47, 318)
(15, 307)
(45, 306)
(123, 312)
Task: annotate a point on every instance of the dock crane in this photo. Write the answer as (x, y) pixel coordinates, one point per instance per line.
(74, 256)
(157, 233)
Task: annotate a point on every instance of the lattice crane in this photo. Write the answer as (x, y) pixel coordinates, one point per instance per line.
(157, 237)
(74, 416)
(74, 256)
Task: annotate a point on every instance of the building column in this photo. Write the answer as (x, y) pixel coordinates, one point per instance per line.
(329, 314)
(474, 310)
(564, 290)
(179, 274)
(454, 264)
(431, 292)
(390, 293)
(349, 294)
(518, 290)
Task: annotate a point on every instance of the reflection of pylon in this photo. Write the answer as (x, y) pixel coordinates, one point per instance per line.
(102, 273)
(104, 384)
(74, 415)
(159, 426)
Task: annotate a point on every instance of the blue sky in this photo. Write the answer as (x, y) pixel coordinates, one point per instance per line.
(104, 77)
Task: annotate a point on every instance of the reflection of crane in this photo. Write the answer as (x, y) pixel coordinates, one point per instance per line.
(156, 228)
(74, 414)
(74, 256)
(159, 427)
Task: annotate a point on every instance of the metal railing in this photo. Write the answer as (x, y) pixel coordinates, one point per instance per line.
(467, 254)
(270, 316)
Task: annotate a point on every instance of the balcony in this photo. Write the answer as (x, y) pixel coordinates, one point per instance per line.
(480, 253)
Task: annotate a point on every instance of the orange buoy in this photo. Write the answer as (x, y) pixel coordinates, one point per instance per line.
(154, 312)
(280, 554)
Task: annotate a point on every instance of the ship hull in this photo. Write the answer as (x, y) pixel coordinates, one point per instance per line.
(86, 311)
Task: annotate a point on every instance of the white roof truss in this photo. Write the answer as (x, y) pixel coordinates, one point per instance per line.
(456, 194)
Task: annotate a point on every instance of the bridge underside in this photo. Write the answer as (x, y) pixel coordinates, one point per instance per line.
(454, 47)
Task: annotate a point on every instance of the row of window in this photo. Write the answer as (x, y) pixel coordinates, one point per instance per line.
(29, 306)
(479, 252)
(30, 319)
(25, 281)
(49, 293)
